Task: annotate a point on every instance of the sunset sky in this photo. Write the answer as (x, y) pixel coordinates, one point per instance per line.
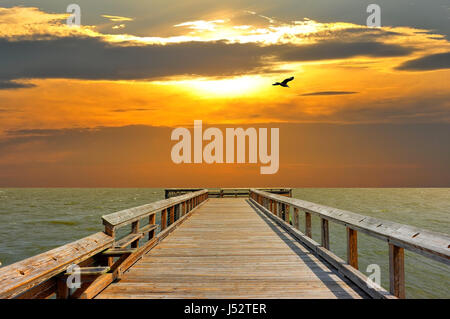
(95, 105)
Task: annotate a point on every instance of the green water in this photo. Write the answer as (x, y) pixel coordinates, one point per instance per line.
(35, 220)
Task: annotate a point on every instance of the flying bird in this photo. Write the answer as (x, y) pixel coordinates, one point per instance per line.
(284, 83)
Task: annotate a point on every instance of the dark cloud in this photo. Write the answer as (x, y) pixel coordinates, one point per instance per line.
(329, 93)
(12, 85)
(428, 63)
(327, 50)
(92, 58)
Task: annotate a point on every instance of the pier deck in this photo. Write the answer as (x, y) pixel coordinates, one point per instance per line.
(197, 246)
(228, 249)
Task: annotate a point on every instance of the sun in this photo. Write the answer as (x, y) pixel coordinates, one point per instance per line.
(221, 88)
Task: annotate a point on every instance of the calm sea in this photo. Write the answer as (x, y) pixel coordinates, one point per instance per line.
(35, 220)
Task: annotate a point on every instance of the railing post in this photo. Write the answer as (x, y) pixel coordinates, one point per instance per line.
(172, 215)
(296, 221)
(352, 247)
(325, 235)
(275, 208)
(110, 231)
(308, 230)
(184, 209)
(135, 230)
(163, 219)
(397, 271)
(62, 290)
(287, 213)
(151, 221)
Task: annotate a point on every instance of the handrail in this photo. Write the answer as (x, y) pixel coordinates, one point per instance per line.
(26, 274)
(128, 216)
(399, 236)
(44, 275)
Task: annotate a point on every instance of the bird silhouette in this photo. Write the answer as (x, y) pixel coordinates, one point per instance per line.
(284, 83)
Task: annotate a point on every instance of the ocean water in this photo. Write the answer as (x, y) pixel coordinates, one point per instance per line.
(34, 220)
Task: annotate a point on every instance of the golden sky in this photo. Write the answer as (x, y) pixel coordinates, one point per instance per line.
(124, 69)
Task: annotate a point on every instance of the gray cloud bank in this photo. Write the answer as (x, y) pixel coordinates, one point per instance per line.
(92, 58)
(428, 63)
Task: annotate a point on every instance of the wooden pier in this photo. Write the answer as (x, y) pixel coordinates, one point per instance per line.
(238, 247)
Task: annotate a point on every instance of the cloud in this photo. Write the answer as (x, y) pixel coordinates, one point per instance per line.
(428, 63)
(11, 85)
(116, 18)
(329, 93)
(93, 58)
(327, 50)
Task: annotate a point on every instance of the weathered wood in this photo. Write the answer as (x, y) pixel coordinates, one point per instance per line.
(148, 228)
(135, 230)
(352, 247)
(118, 251)
(62, 290)
(430, 244)
(172, 214)
(324, 233)
(151, 221)
(308, 226)
(21, 276)
(43, 290)
(218, 253)
(296, 220)
(127, 240)
(397, 271)
(131, 215)
(163, 219)
(88, 271)
(351, 273)
(95, 287)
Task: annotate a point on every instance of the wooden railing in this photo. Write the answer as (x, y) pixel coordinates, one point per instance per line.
(398, 236)
(227, 192)
(102, 257)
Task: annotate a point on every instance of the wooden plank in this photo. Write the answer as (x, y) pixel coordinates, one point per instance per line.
(89, 271)
(352, 247)
(95, 287)
(21, 276)
(127, 240)
(353, 274)
(118, 251)
(433, 245)
(44, 290)
(148, 228)
(228, 250)
(397, 271)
